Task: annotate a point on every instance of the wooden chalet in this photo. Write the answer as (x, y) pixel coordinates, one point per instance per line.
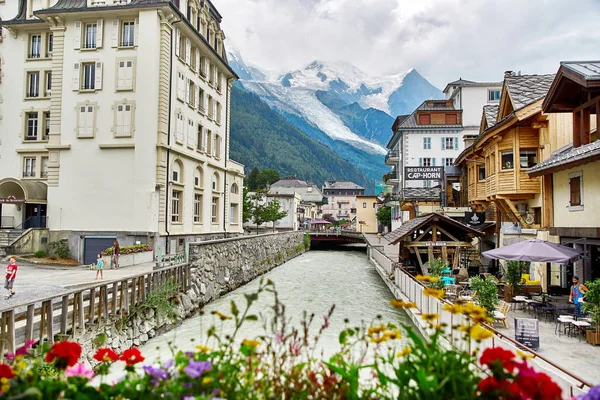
(431, 236)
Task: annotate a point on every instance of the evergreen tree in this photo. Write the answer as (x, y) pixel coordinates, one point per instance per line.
(252, 180)
(267, 177)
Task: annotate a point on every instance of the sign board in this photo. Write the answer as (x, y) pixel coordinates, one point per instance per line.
(11, 200)
(511, 228)
(475, 218)
(527, 332)
(423, 173)
(436, 244)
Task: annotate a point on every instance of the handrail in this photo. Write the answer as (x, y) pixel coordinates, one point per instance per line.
(581, 382)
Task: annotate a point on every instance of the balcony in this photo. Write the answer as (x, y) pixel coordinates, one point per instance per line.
(392, 157)
(391, 178)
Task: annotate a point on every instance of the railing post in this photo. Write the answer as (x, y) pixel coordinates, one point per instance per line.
(104, 291)
(125, 284)
(10, 329)
(115, 287)
(47, 310)
(92, 305)
(29, 322)
(64, 314)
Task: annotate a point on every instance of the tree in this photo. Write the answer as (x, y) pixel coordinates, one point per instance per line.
(257, 212)
(267, 177)
(272, 212)
(247, 206)
(252, 180)
(384, 216)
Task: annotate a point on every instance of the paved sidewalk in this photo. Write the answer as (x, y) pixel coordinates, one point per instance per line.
(390, 251)
(41, 281)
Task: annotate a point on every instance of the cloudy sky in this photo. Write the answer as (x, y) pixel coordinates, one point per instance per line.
(442, 39)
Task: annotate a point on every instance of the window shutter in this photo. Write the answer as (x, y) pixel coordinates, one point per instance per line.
(176, 32)
(121, 67)
(443, 162)
(188, 51)
(76, 76)
(98, 83)
(99, 30)
(82, 117)
(127, 118)
(456, 143)
(119, 121)
(115, 33)
(136, 32)
(443, 143)
(89, 121)
(196, 66)
(433, 162)
(129, 74)
(420, 162)
(187, 90)
(77, 35)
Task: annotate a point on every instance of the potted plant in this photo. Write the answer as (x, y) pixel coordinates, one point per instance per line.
(591, 306)
(514, 271)
(486, 293)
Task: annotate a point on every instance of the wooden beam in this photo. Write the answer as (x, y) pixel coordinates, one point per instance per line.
(29, 322)
(587, 104)
(547, 202)
(444, 254)
(434, 232)
(430, 254)
(448, 244)
(576, 129)
(514, 210)
(585, 126)
(420, 262)
(449, 235)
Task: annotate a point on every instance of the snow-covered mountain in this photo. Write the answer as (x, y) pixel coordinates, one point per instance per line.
(340, 105)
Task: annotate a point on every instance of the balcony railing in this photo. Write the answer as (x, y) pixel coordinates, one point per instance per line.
(391, 155)
(422, 194)
(390, 176)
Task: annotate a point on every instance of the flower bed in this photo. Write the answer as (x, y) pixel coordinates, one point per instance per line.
(138, 248)
(130, 255)
(281, 364)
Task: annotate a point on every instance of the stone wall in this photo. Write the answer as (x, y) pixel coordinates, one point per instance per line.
(216, 267)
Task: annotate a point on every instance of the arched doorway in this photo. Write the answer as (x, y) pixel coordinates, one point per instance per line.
(23, 204)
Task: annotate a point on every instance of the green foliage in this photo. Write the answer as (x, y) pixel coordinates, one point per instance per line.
(262, 138)
(247, 206)
(272, 212)
(486, 293)
(137, 248)
(261, 180)
(514, 270)
(384, 216)
(40, 254)
(307, 241)
(592, 302)
(257, 210)
(60, 248)
(99, 340)
(436, 268)
(252, 179)
(159, 299)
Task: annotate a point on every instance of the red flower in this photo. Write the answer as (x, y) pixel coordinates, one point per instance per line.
(537, 385)
(6, 371)
(105, 355)
(490, 388)
(132, 356)
(66, 353)
(494, 356)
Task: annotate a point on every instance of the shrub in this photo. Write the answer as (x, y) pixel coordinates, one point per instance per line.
(514, 271)
(99, 340)
(486, 292)
(307, 241)
(436, 268)
(40, 254)
(137, 248)
(60, 248)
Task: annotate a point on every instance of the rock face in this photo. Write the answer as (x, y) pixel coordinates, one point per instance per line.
(216, 268)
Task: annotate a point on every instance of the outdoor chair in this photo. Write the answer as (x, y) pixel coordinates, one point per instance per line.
(547, 311)
(501, 314)
(452, 291)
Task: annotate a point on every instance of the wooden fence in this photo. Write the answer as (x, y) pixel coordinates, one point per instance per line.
(68, 314)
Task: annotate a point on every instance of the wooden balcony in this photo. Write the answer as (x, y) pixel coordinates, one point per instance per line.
(512, 184)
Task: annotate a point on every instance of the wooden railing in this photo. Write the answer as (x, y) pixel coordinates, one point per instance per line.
(68, 314)
(172, 260)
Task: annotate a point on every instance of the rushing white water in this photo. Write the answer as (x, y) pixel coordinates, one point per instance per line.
(312, 283)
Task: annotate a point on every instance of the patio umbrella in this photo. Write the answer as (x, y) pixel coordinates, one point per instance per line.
(534, 250)
(319, 222)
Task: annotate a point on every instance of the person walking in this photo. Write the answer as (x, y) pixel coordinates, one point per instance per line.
(11, 274)
(115, 255)
(99, 267)
(577, 292)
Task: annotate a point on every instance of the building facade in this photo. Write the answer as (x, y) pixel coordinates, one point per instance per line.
(366, 214)
(311, 197)
(341, 199)
(119, 119)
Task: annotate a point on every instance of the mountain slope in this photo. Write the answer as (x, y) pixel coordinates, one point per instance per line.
(262, 138)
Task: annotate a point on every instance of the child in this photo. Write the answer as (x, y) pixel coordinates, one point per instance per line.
(11, 274)
(99, 267)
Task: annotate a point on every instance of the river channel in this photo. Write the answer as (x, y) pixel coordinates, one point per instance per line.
(311, 282)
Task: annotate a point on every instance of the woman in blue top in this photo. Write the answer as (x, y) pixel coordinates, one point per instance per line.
(577, 292)
(99, 267)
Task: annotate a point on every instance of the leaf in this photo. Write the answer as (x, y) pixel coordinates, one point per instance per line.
(342, 338)
(234, 309)
(251, 317)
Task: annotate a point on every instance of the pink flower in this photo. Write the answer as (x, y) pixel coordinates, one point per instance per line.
(79, 370)
(21, 350)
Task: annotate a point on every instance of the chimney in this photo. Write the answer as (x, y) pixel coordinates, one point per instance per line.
(508, 73)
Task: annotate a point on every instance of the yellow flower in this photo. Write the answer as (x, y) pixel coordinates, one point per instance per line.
(392, 335)
(437, 293)
(206, 380)
(5, 388)
(454, 308)
(524, 355)
(402, 304)
(4, 381)
(481, 319)
(379, 339)
(434, 279)
(373, 330)
(423, 278)
(250, 343)
(478, 333)
(405, 351)
(465, 328)
(203, 349)
(430, 317)
(221, 315)
(474, 309)
(21, 365)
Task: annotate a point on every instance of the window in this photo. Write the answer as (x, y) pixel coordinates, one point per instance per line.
(215, 182)
(191, 94)
(90, 31)
(35, 46)
(234, 189)
(46, 134)
(33, 84)
(374, 205)
(364, 205)
(29, 167)
(197, 208)
(128, 34)
(44, 171)
(123, 120)
(448, 162)
(451, 119)
(576, 191)
(49, 45)
(175, 206)
(493, 95)
(447, 143)
(233, 213)
(426, 184)
(86, 123)
(125, 75)
(426, 143)
(215, 210)
(191, 133)
(32, 126)
(507, 160)
(210, 107)
(527, 158)
(217, 146)
(201, 99)
(179, 128)
(176, 172)
(426, 162)
(219, 81)
(211, 74)
(203, 67)
(198, 178)
(48, 77)
(481, 173)
(218, 113)
(208, 142)
(89, 76)
(200, 138)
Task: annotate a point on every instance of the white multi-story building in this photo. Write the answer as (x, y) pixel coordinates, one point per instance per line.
(114, 116)
(341, 199)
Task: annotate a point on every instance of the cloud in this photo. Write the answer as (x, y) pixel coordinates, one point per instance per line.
(442, 39)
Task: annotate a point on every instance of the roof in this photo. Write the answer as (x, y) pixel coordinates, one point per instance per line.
(589, 70)
(342, 185)
(411, 121)
(422, 194)
(465, 83)
(574, 84)
(414, 224)
(567, 157)
(291, 182)
(525, 89)
(490, 112)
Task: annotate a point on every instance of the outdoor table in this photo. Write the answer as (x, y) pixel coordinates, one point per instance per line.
(580, 326)
(520, 300)
(563, 320)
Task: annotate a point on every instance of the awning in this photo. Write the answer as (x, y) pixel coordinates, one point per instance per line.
(14, 191)
(535, 250)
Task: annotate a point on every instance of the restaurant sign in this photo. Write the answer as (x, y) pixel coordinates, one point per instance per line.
(527, 332)
(436, 244)
(423, 173)
(11, 200)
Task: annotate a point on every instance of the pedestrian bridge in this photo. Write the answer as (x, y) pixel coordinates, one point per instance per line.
(337, 237)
